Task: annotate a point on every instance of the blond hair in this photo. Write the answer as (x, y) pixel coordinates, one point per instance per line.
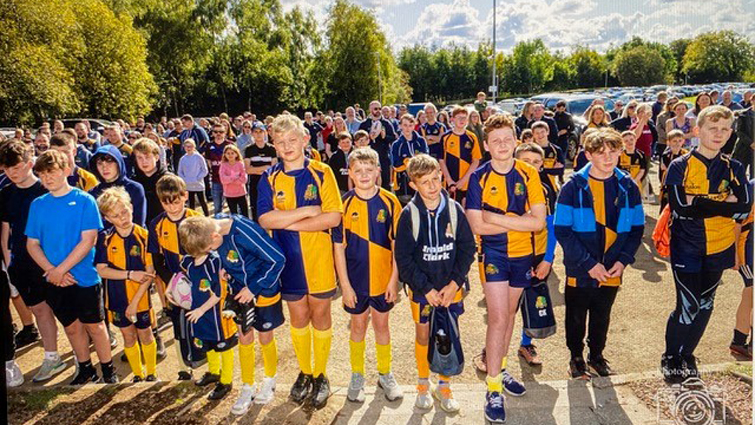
(146, 146)
(289, 123)
(233, 148)
(367, 155)
(497, 121)
(628, 133)
(601, 138)
(195, 234)
(714, 113)
(673, 134)
(529, 147)
(420, 166)
(111, 197)
(190, 142)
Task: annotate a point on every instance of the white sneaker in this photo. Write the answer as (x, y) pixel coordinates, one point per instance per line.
(424, 399)
(266, 391)
(389, 385)
(49, 369)
(13, 375)
(246, 395)
(355, 392)
(446, 398)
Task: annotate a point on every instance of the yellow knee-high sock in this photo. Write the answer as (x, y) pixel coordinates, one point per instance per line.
(226, 371)
(356, 354)
(246, 358)
(150, 357)
(213, 362)
(384, 357)
(302, 341)
(423, 366)
(504, 362)
(134, 356)
(270, 358)
(322, 341)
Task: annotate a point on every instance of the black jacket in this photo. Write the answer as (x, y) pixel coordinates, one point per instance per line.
(154, 208)
(435, 258)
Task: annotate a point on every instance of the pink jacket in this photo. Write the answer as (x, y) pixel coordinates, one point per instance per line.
(233, 177)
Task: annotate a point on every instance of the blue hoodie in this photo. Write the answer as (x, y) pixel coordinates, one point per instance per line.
(134, 189)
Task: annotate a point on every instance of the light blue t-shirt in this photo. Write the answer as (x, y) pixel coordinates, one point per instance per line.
(58, 222)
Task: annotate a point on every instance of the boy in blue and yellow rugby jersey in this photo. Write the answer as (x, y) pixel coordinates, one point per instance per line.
(434, 265)
(408, 144)
(366, 268)
(212, 331)
(553, 161)
(461, 154)
(432, 130)
(739, 345)
(632, 161)
(505, 205)
(163, 243)
(298, 200)
(707, 192)
(125, 264)
(252, 262)
(599, 222)
(675, 149)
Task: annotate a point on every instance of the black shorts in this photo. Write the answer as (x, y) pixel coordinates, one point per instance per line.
(746, 272)
(30, 282)
(219, 346)
(72, 303)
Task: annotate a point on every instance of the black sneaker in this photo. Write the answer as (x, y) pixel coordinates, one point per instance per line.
(320, 392)
(578, 369)
(27, 335)
(86, 374)
(184, 376)
(151, 378)
(207, 379)
(136, 379)
(672, 368)
(690, 367)
(220, 391)
(124, 357)
(600, 365)
(108, 373)
(301, 387)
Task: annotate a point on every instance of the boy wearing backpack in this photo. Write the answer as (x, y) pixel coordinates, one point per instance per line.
(434, 249)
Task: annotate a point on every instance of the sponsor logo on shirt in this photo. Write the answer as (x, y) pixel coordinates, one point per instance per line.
(354, 216)
(437, 253)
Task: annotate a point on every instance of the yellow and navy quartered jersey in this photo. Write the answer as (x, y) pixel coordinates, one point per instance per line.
(702, 235)
(598, 221)
(82, 179)
(205, 282)
(124, 253)
(512, 193)
(434, 129)
(368, 229)
(163, 239)
(633, 163)
(309, 265)
(552, 155)
(745, 242)
(545, 240)
(458, 152)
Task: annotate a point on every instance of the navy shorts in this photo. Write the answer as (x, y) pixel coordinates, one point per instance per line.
(218, 346)
(501, 268)
(144, 319)
(268, 316)
(421, 309)
(377, 302)
(297, 297)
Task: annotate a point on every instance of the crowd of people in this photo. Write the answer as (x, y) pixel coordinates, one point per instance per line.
(364, 201)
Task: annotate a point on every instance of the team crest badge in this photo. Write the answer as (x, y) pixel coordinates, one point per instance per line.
(541, 302)
(381, 215)
(723, 187)
(135, 251)
(232, 257)
(204, 285)
(198, 343)
(468, 145)
(518, 189)
(354, 216)
(426, 311)
(311, 193)
(491, 269)
(494, 190)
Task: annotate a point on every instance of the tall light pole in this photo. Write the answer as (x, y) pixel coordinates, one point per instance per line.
(494, 85)
(380, 77)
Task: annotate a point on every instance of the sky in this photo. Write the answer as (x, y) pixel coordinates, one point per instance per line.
(561, 24)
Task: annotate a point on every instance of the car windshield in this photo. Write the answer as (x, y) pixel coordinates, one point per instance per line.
(579, 106)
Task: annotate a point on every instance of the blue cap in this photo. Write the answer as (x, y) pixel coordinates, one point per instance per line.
(258, 126)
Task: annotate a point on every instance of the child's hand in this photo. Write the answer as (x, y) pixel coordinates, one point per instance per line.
(433, 298)
(599, 273)
(542, 270)
(448, 293)
(312, 210)
(194, 315)
(617, 270)
(244, 296)
(391, 291)
(348, 296)
(131, 312)
(142, 276)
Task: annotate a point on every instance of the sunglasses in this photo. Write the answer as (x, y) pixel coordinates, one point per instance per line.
(218, 131)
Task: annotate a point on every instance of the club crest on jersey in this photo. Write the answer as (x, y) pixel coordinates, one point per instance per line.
(426, 310)
(494, 190)
(311, 193)
(541, 302)
(491, 269)
(198, 343)
(724, 186)
(114, 249)
(232, 257)
(204, 285)
(280, 197)
(135, 251)
(468, 145)
(518, 189)
(381, 216)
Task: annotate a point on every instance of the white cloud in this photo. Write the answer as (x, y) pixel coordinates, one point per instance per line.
(442, 24)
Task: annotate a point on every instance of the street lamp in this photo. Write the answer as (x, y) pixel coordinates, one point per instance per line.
(380, 77)
(494, 86)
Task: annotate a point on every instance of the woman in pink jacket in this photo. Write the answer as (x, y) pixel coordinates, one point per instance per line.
(233, 177)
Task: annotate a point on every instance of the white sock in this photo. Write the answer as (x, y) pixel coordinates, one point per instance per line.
(51, 355)
(9, 364)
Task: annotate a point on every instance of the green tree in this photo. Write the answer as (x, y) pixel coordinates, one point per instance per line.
(718, 56)
(639, 66)
(529, 69)
(589, 67)
(679, 48)
(417, 63)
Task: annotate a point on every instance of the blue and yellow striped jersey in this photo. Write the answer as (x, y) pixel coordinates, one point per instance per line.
(205, 281)
(632, 163)
(552, 155)
(368, 229)
(163, 239)
(512, 193)
(458, 152)
(434, 129)
(82, 179)
(124, 253)
(309, 255)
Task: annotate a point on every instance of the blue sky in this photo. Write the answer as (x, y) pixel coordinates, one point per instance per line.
(560, 23)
